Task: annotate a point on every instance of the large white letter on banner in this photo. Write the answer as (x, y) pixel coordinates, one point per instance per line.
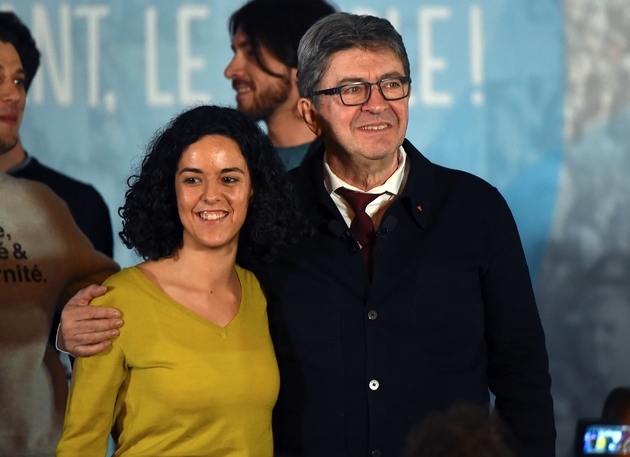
(187, 63)
(429, 64)
(59, 70)
(151, 62)
(93, 14)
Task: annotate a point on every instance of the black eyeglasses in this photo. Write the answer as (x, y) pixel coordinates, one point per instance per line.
(358, 93)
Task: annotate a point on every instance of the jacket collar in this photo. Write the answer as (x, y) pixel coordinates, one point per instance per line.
(417, 193)
(415, 196)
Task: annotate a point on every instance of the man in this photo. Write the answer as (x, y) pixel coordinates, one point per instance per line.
(44, 258)
(375, 329)
(265, 36)
(86, 205)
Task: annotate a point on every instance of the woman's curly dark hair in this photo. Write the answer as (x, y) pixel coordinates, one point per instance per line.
(151, 223)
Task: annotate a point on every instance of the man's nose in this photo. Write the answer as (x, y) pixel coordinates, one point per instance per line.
(375, 100)
(10, 91)
(233, 67)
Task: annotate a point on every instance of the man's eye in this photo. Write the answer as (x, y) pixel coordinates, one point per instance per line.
(353, 89)
(393, 84)
(19, 81)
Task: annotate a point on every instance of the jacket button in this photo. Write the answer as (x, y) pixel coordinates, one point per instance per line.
(372, 315)
(374, 384)
(376, 453)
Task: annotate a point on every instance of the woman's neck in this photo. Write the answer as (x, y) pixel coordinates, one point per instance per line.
(206, 269)
(205, 282)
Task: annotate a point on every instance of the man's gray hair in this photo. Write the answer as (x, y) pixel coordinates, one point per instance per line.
(340, 32)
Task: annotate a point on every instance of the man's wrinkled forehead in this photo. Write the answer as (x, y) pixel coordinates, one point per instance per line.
(394, 67)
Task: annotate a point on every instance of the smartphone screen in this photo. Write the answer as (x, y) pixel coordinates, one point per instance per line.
(603, 439)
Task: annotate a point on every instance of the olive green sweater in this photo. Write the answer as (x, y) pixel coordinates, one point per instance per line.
(173, 383)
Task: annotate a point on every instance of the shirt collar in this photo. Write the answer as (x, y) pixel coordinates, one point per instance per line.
(391, 186)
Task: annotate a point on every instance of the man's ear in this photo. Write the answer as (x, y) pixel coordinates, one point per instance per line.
(309, 114)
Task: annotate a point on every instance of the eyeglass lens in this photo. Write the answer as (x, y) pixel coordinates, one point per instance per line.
(358, 93)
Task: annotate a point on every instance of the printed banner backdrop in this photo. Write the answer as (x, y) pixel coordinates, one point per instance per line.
(488, 95)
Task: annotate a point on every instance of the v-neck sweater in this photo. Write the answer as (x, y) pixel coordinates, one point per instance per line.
(173, 383)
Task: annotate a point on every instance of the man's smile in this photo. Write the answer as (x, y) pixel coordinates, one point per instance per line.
(375, 127)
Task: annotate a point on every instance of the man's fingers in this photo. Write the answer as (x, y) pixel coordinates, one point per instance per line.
(86, 330)
(74, 314)
(93, 342)
(88, 350)
(96, 326)
(93, 338)
(85, 296)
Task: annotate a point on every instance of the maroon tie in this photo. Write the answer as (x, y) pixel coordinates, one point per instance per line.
(362, 224)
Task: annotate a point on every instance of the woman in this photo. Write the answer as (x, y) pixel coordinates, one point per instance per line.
(193, 372)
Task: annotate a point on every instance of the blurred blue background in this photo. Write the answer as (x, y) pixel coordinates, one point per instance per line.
(531, 95)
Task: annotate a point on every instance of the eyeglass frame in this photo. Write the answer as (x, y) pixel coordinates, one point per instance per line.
(337, 90)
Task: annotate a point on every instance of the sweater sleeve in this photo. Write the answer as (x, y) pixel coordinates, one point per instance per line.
(518, 372)
(91, 403)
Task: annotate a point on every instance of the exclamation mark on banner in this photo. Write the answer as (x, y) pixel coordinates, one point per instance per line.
(476, 54)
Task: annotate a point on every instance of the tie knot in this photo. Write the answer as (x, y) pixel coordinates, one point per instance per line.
(357, 200)
(361, 224)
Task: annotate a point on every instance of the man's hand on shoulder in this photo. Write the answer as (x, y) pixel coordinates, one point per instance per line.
(86, 330)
